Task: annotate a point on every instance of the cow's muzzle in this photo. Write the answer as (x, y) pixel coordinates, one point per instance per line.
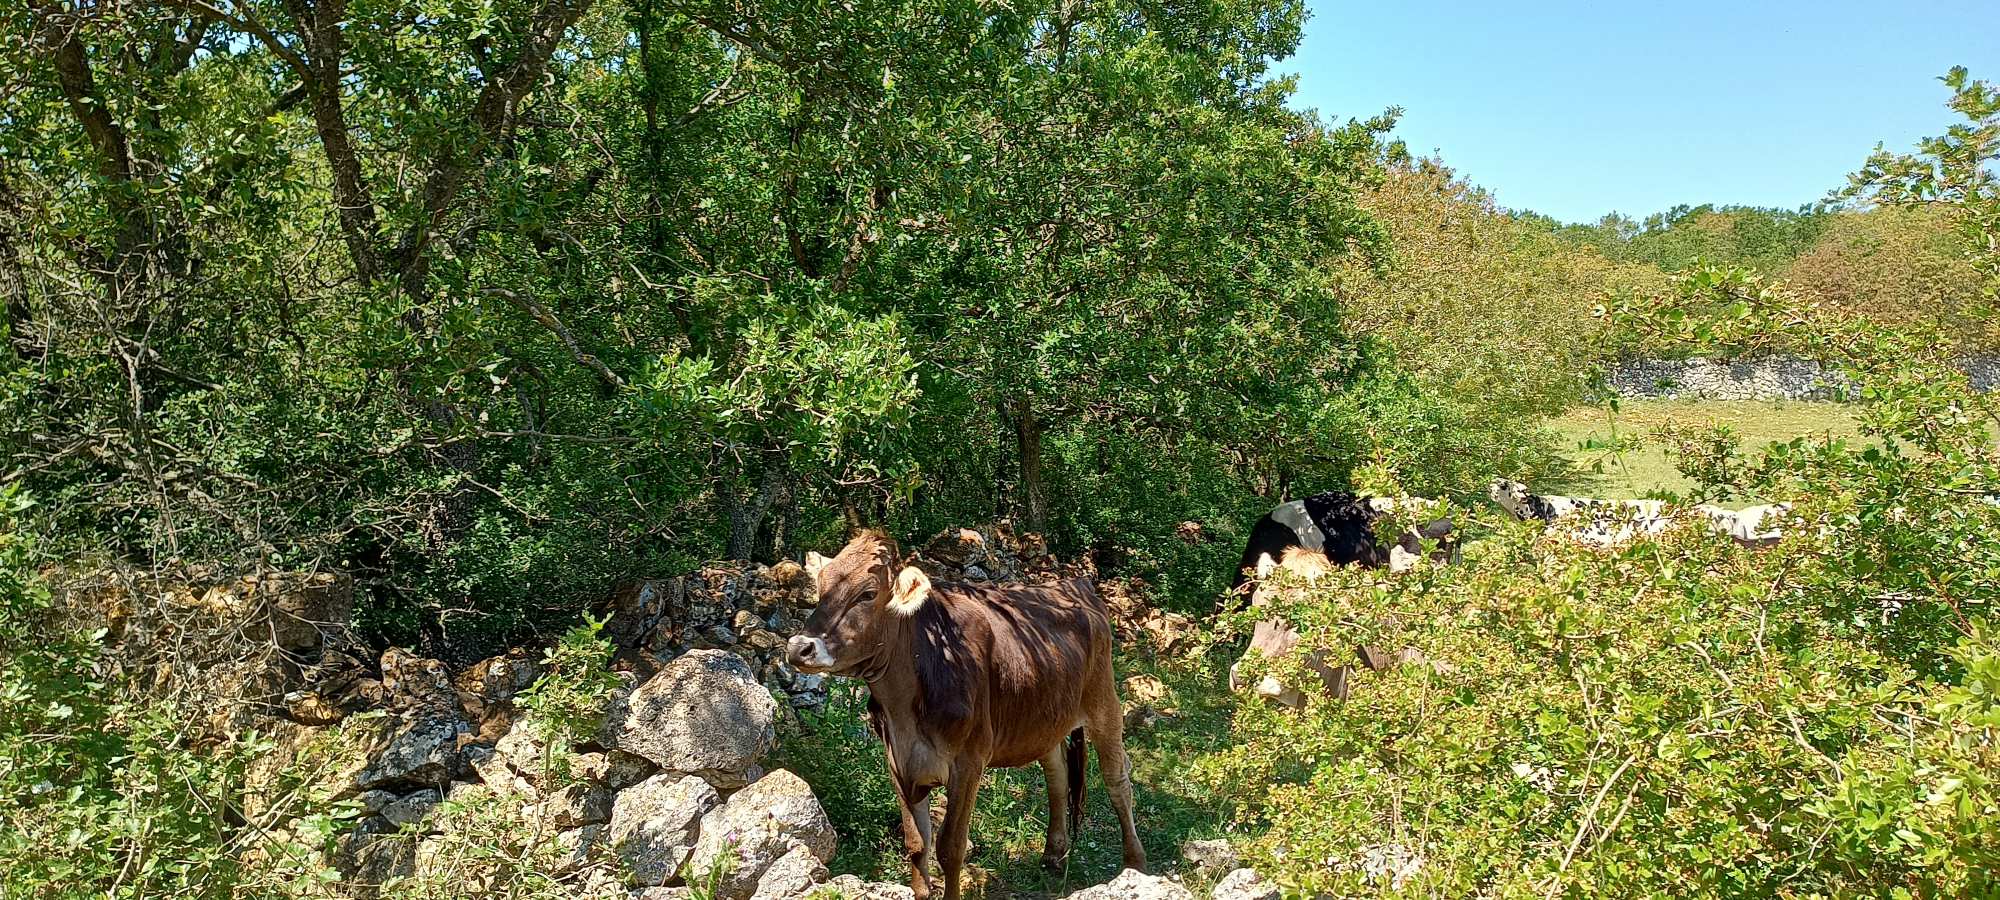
(808, 654)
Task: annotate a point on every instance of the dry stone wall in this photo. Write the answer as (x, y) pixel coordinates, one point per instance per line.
(436, 779)
(1761, 378)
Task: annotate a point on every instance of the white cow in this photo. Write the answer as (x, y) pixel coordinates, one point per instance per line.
(1600, 523)
(1751, 526)
(1609, 522)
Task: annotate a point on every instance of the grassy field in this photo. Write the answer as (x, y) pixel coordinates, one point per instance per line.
(1588, 431)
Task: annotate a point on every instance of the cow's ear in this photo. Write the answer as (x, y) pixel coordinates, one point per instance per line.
(911, 589)
(814, 563)
(1265, 564)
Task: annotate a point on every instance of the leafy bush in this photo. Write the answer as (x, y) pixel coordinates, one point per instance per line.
(1898, 264)
(566, 704)
(488, 843)
(102, 793)
(1487, 323)
(1760, 238)
(1677, 718)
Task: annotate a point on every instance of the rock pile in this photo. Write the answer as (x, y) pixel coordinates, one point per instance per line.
(668, 790)
(996, 553)
(741, 608)
(749, 610)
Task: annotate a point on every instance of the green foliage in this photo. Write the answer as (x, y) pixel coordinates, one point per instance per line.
(99, 795)
(566, 704)
(564, 291)
(1899, 264)
(488, 843)
(1759, 238)
(1488, 328)
(1677, 718)
(1956, 170)
(1681, 716)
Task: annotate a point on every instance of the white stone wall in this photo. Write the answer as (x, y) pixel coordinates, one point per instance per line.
(1762, 378)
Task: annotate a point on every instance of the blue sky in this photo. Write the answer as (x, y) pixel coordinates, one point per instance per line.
(1576, 109)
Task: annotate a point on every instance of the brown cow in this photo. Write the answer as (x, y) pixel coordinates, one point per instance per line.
(964, 677)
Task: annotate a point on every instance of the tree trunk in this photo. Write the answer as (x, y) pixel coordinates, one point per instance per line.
(1028, 444)
(746, 517)
(13, 279)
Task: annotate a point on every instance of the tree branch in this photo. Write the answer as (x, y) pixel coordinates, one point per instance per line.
(243, 22)
(493, 115)
(548, 320)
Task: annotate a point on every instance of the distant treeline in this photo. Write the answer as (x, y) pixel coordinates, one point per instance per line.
(1899, 264)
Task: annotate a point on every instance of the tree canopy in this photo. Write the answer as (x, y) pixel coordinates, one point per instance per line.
(488, 300)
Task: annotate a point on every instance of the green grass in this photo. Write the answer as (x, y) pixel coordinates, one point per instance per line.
(1588, 431)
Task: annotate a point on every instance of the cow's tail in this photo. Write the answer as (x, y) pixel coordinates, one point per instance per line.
(1078, 767)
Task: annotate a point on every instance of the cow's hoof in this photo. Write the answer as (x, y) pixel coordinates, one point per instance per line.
(1055, 862)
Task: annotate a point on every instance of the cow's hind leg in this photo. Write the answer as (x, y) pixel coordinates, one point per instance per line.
(1055, 770)
(962, 793)
(1104, 725)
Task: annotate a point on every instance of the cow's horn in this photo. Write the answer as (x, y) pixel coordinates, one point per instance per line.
(814, 563)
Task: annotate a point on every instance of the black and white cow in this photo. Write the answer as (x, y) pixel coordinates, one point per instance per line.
(1339, 525)
(1590, 521)
(1607, 522)
(1751, 526)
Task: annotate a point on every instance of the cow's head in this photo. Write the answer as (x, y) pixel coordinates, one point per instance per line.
(1512, 496)
(861, 593)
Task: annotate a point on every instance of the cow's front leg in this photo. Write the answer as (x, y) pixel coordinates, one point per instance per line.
(966, 773)
(916, 803)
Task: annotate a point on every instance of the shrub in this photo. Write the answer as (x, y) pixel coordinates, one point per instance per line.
(101, 794)
(1898, 264)
(1681, 716)
(566, 704)
(1676, 718)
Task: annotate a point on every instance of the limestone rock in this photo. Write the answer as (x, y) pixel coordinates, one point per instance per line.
(521, 748)
(420, 748)
(1133, 884)
(486, 691)
(623, 770)
(372, 802)
(793, 874)
(678, 892)
(410, 809)
(496, 774)
(312, 708)
(367, 861)
(654, 824)
(579, 804)
(1214, 854)
(578, 845)
(1245, 884)
(853, 888)
(759, 825)
(410, 680)
(704, 714)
